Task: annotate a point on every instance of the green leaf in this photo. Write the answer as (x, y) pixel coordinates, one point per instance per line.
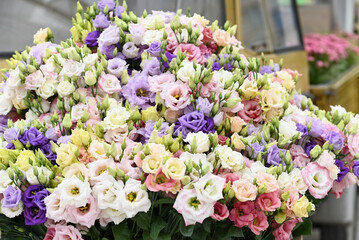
(157, 225)
(303, 228)
(143, 221)
(166, 200)
(121, 231)
(235, 232)
(186, 231)
(164, 237)
(207, 224)
(94, 233)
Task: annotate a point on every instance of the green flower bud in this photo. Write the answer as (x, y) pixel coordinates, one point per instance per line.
(280, 217)
(231, 193)
(99, 131)
(18, 145)
(150, 114)
(315, 152)
(66, 122)
(262, 189)
(285, 196)
(230, 103)
(185, 180)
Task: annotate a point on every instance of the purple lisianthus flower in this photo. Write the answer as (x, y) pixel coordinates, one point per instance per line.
(217, 66)
(29, 194)
(91, 38)
(10, 146)
(257, 148)
(46, 150)
(138, 93)
(355, 168)
(318, 127)
(51, 134)
(343, 170)
(209, 126)
(34, 215)
(273, 157)
(303, 129)
(3, 123)
(204, 105)
(34, 137)
(148, 129)
(336, 139)
(11, 134)
(39, 51)
(154, 49)
(297, 98)
(119, 10)
(169, 57)
(116, 66)
(253, 129)
(101, 21)
(102, 4)
(12, 197)
(268, 69)
(194, 121)
(179, 128)
(168, 15)
(40, 197)
(309, 146)
(107, 50)
(152, 67)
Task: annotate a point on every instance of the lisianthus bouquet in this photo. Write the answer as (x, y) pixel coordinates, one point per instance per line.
(156, 127)
(329, 56)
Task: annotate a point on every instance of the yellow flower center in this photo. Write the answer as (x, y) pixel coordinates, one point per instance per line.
(84, 208)
(255, 222)
(141, 93)
(131, 196)
(35, 211)
(240, 212)
(176, 96)
(195, 202)
(75, 191)
(160, 179)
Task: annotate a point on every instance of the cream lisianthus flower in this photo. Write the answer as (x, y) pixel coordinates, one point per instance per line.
(209, 188)
(115, 118)
(230, 159)
(174, 168)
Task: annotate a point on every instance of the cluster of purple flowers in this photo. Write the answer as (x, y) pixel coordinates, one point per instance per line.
(194, 122)
(35, 208)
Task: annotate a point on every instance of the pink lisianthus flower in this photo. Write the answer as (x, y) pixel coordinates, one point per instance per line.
(269, 201)
(293, 197)
(299, 156)
(176, 96)
(259, 223)
(85, 215)
(191, 208)
(159, 182)
(318, 180)
(242, 213)
(251, 111)
(284, 231)
(67, 232)
(220, 212)
(50, 234)
(193, 52)
(158, 82)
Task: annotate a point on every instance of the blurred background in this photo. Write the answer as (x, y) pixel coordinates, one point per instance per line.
(316, 37)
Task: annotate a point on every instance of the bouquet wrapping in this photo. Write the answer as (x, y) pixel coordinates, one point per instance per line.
(157, 127)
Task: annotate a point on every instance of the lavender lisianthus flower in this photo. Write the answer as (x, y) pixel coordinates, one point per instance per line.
(268, 69)
(257, 148)
(119, 10)
(303, 129)
(130, 50)
(51, 134)
(116, 66)
(46, 150)
(12, 197)
(309, 146)
(91, 38)
(11, 134)
(343, 170)
(355, 168)
(34, 137)
(148, 129)
(152, 67)
(273, 157)
(39, 51)
(204, 105)
(64, 139)
(217, 66)
(168, 15)
(154, 49)
(253, 129)
(297, 98)
(336, 139)
(10, 146)
(138, 93)
(194, 121)
(29, 194)
(3, 123)
(107, 50)
(209, 126)
(318, 127)
(101, 21)
(34, 215)
(179, 128)
(102, 4)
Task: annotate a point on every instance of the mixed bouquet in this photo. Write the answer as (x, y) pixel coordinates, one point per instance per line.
(156, 127)
(329, 56)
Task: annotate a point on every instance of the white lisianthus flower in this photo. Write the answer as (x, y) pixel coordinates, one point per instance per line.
(195, 160)
(20, 92)
(222, 76)
(32, 179)
(72, 68)
(191, 208)
(115, 118)
(257, 167)
(12, 212)
(186, 71)
(65, 88)
(116, 215)
(154, 21)
(134, 199)
(5, 181)
(288, 129)
(230, 159)
(90, 59)
(98, 169)
(327, 160)
(341, 111)
(297, 181)
(74, 192)
(78, 111)
(47, 89)
(209, 188)
(30, 116)
(151, 36)
(107, 192)
(6, 104)
(55, 206)
(284, 182)
(14, 78)
(202, 140)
